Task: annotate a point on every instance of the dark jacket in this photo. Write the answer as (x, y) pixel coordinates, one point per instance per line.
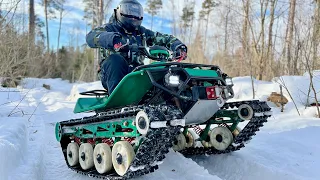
(103, 37)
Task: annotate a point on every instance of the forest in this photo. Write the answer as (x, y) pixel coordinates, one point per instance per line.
(258, 38)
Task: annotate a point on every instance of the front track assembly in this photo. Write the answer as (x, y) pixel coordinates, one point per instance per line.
(155, 144)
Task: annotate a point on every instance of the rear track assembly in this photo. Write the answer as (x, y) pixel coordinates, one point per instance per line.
(261, 113)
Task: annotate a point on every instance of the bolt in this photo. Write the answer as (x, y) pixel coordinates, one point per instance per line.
(99, 158)
(142, 123)
(119, 158)
(83, 156)
(219, 138)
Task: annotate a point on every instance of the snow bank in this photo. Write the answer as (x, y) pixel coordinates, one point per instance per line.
(55, 84)
(78, 88)
(13, 144)
(298, 87)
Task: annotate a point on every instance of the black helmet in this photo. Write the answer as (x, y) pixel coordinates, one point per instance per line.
(129, 14)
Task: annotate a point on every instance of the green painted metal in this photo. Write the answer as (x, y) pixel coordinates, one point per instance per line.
(234, 126)
(58, 132)
(205, 132)
(185, 131)
(201, 72)
(89, 104)
(116, 129)
(130, 90)
(232, 114)
(157, 52)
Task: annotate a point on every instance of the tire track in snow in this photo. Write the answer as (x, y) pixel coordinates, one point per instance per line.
(285, 155)
(235, 166)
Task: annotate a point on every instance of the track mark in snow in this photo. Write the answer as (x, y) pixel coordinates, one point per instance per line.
(270, 156)
(176, 166)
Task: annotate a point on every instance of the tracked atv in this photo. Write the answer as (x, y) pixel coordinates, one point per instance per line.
(154, 108)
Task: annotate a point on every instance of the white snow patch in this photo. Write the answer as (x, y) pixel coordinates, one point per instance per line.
(285, 148)
(78, 88)
(13, 144)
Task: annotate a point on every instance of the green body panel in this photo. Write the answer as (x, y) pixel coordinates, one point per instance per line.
(130, 90)
(102, 130)
(201, 72)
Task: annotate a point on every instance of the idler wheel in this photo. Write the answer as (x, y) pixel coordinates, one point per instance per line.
(102, 158)
(179, 143)
(190, 139)
(73, 154)
(142, 122)
(220, 138)
(86, 156)
(122, 156)
(245, 112)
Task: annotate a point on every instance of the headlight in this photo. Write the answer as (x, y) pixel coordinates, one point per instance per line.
(172, 80)
(229, 81)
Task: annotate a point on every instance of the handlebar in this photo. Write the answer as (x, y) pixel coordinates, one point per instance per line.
(161, 52)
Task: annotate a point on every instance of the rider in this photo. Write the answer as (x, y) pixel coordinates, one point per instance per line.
(125, 28)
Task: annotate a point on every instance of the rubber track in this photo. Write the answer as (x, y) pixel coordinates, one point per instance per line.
(246, 134)
(151, 151)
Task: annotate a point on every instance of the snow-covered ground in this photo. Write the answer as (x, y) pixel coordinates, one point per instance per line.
(286, 148)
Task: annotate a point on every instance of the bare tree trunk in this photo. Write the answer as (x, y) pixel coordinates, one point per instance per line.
(101, 12)
(206, 32)
(262, 59)
(290, 34)
(226, 31)
(47, 25)
(31, 22)
(97, 53)
(312, 87)
(174, 27)
(245, 35)
(191, 25)
(58, 43)
(315, 35)
(270, 45)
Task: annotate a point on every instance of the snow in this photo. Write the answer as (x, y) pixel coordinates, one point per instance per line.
(13, 143)
(285, 148)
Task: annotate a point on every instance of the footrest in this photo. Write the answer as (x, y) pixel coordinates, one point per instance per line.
(99, 92)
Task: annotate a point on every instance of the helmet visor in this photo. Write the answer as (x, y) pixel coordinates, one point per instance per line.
(131, 10)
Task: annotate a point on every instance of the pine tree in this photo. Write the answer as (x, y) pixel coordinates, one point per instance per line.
(153, 7)
(48, 5)
(207, 7)
(187, 19)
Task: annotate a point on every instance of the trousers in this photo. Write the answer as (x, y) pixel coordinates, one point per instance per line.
(113, 69)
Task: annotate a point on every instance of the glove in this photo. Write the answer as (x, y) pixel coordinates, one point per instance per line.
(180, 53)
(119, 45)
